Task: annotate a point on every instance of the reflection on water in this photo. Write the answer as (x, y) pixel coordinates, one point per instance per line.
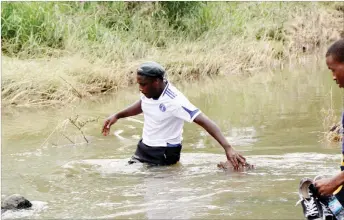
(275, 123)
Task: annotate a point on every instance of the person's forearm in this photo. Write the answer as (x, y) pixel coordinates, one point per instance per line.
(339, 179)
(214, 130)
(132, 110)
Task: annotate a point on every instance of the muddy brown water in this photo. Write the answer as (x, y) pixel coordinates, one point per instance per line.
(275, 120)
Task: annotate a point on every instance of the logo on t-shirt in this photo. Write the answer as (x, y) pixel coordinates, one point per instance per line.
(162, 107)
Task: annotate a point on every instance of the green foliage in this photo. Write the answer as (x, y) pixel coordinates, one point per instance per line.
(32, 28)
(176, 11)
(90, 48)
(30, 24)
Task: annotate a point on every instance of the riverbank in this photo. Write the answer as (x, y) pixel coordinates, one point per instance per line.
(217, 38)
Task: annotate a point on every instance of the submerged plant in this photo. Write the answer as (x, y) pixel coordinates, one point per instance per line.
(64, 129)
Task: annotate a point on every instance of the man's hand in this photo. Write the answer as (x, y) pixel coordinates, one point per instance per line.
(232, 156)
(235, 158)
(107, 124)
(327, 186)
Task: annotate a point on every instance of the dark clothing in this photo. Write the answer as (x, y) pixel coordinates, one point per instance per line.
(340, 193)
(151, 69)
(156, 155)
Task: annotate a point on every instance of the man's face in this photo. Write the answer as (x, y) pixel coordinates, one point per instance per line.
(337, 69)
(147, 85)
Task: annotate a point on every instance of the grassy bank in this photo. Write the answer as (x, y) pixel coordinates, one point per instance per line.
(58, 53)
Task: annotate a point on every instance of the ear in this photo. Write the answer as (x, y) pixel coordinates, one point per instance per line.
(156, 81)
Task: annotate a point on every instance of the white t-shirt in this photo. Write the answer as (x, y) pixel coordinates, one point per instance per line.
(164, 118)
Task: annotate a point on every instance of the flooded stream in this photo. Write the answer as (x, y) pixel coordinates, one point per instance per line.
(275, 120)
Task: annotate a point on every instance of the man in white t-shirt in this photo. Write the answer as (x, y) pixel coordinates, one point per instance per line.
(165, 109)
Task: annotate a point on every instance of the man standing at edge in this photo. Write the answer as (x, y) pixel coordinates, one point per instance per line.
(335, 62)
(165, 109)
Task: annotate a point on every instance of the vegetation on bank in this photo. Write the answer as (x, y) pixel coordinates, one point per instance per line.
(61, 52)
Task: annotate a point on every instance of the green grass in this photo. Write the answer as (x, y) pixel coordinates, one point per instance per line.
(61, 52)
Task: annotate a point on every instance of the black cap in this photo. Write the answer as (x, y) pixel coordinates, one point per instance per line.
(151, 69)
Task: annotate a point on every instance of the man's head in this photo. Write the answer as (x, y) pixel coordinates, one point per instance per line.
(335, 61)
(150, 76)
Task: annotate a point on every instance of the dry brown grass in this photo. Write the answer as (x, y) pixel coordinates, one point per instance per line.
(83, 73)
(331, 124)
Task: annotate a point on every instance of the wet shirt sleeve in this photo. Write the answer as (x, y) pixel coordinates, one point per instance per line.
(185, 110)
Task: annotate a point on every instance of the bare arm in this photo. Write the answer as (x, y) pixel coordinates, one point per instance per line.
(132, 110)
(214, 130)
(327, 186)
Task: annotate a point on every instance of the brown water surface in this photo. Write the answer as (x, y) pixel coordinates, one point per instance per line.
(275, 120)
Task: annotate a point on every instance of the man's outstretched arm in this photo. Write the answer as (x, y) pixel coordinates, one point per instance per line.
(132, 110)
(214, 130)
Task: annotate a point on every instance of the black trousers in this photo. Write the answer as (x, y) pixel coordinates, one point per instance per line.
(156, 155)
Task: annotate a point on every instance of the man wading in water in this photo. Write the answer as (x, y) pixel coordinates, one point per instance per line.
(165, 109)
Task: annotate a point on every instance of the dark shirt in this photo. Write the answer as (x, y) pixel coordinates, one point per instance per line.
(340, 193)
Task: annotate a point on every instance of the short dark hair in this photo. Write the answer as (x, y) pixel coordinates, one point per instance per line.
(337, 50)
